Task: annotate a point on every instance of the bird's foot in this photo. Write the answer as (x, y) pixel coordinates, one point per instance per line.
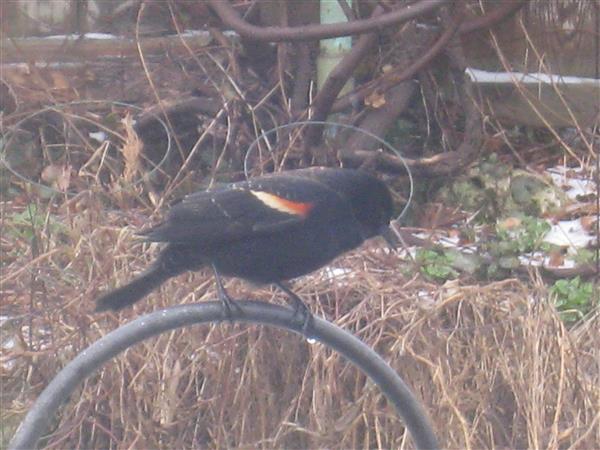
(307, 319)
(230, 306)
(300, 310)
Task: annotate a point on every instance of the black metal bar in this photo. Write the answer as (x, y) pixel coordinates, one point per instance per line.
(59, 389)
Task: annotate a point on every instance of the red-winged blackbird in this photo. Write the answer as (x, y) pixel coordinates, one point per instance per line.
(266, 230)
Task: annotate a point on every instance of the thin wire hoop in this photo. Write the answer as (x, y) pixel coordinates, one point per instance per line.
(60, 106)
(385, 143)
(86, 362)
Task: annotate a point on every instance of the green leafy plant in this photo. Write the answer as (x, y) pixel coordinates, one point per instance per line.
(527, 237)
(509, 243)
(585, 256)
(436, 265)
(25, 224)
(574, 298)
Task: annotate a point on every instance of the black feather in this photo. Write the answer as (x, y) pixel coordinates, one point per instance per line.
(134, 290)
(267, 230)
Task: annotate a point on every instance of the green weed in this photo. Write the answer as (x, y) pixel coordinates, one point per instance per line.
(574, 298)
(436, 265)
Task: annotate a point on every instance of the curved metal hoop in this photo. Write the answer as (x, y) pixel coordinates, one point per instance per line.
(84, 364)
(60, 106)
(344, 126)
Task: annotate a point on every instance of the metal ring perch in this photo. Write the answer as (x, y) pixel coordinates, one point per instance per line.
(84, 364)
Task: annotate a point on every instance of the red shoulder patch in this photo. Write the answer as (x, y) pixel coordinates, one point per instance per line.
(282, 204)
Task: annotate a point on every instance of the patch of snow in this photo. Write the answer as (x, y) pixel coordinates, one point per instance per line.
(100, 36)
(8, 344)
(74, 37)
(189, 32)
(382, 250)
(196, 33)
(576, 185)
(483, 76)
(425, 26)
(425, 297)
(206, 34)
(423, 235)
(567, 264)
(41, 65)
(568, 233)
(336, 272)
(412, 252)
(470, 249)
(538, 259)
(399, 252)
(535, 259)
(99, 136)
(449, 241)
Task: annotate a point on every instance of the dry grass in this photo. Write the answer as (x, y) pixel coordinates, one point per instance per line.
(493, 365)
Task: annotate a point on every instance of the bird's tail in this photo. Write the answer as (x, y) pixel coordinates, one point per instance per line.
(172, 261)
(134, 290)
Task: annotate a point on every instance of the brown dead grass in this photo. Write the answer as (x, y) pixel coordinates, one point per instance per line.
(493, 365)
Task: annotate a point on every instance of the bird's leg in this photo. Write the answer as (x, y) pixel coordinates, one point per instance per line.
(228, 303)
(299, 308)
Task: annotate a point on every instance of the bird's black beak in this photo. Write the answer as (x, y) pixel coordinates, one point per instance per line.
(390, 237)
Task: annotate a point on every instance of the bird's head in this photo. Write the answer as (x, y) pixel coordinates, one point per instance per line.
(372, 205)
(368, 196)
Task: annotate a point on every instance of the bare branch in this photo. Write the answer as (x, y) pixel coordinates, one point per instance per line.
(379, 120)
(337, 79)
(232, 19)
(347, 10)
(391, 79)
(444, 163)
(497, 15)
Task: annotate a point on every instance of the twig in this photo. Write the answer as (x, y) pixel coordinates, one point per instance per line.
(28, 266)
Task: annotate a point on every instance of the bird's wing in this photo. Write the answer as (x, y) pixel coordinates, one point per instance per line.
(242, 209)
